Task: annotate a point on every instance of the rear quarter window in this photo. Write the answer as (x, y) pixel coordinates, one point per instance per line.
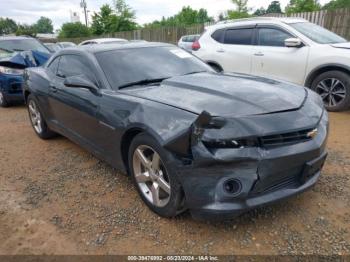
(218, 35)
(239, 36)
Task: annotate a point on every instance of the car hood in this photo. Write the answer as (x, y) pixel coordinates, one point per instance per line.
(342, 45)
(24, 59)
(225, 95)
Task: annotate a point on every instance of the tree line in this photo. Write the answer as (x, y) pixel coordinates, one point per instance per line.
(118, 16)
(9, 26)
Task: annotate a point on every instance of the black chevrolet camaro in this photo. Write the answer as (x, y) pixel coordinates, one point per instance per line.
(217, 144)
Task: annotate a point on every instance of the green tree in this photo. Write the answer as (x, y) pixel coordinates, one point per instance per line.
(44, 25)
(297, 6)
(242, 6)
(274, 7)
(187, 16)
(241, 10)
(260, 11)
(334, 4)
(71, 30)
(28, 30)
(101, 21)
(109, 19)
(125, 17)
(233, 14)
(7, 26)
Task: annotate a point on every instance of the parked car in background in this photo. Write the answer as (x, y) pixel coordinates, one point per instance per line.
(186, 42)
(16, 54)
(66, 44)
(52, 47)
(138, 41)
(104, 41)
(191, 138)
(290, 49)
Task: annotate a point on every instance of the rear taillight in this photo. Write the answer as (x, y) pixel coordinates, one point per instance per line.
(196, 46)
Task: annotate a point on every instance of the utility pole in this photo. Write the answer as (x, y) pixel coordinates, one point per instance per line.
(84, 6)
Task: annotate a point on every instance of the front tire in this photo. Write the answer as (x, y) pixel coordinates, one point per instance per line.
(334, 89)
(3, 102)
(38, 122)
(154, 179)
(216, 67)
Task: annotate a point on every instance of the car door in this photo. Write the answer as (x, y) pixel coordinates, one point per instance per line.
(43, 97)
(273, 59)
(235, 49)
(75, 109)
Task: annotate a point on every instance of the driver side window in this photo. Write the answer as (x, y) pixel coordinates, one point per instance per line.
(53, 66)
(75, 65)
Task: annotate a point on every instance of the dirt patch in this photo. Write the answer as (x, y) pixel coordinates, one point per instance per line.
(56, 198)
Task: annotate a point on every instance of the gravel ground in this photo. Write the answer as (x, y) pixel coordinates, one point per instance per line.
(56, 198)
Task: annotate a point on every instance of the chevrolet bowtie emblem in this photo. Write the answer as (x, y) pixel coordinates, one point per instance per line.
(312, 133)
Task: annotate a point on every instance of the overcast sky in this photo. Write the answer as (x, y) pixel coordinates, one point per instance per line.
(27, 11)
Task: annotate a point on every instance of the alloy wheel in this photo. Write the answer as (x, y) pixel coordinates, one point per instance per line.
(332, 91)
(35, 116)
(151, 176)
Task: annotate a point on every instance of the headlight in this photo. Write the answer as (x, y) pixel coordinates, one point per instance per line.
(11, 71)
(240, 143)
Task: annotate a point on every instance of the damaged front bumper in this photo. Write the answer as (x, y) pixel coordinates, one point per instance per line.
(11, 87)
(221, 183)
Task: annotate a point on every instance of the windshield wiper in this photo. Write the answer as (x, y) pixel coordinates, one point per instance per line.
(143, 82)
(6, 50)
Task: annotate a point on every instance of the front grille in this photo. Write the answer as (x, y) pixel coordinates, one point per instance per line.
(286, 138)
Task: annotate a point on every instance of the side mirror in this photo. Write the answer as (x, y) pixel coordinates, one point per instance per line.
(80, 82)
(293, 42)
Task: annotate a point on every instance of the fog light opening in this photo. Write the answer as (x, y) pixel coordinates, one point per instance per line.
(232, 186)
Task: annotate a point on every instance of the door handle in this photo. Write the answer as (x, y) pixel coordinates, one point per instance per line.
(220, 50)
(53, 88)
(259, 54)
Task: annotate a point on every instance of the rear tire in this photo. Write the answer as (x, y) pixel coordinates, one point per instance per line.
(38, 122)
(334, 89)
(3, 102)
(155, 181)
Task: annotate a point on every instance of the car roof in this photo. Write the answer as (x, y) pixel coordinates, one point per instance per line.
(105, 40)
(110, 47)
(15, 38)
(260, 20)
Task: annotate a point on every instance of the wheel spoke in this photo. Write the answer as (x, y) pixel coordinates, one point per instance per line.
(324, 95)
(164, 185)
(31, 109)
(342, 95)
(143, 177)
(339, 93)
(155, 194)
(335, 82)
(145, 162)
(155, 161)
(322, 85)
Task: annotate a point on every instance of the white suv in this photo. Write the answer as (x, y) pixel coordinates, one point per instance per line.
(289, 49)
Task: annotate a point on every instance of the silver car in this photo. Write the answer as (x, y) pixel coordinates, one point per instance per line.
(186, 42)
